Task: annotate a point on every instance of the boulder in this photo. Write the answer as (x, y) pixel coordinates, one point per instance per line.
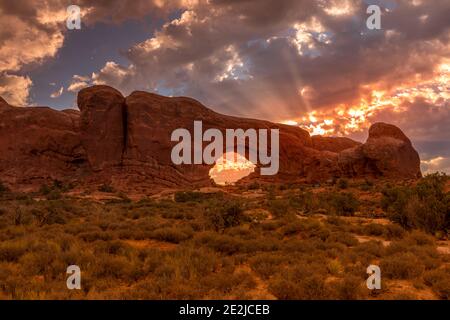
(386, 153)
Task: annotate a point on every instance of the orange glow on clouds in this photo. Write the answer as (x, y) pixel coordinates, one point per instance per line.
(347, 119)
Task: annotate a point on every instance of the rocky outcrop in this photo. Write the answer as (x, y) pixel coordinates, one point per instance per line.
(37, 144)
(102, 125)
(387, 153)
(126, 141)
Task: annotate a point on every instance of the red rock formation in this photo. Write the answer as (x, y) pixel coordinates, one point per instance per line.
(37, 144)
(101, 125)
(126, 141)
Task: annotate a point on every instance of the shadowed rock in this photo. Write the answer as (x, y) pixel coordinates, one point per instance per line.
(102, 125)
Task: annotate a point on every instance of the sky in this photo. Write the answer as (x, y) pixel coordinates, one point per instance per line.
(310, 63)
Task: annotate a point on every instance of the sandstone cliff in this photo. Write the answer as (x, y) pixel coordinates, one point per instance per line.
(126, 141)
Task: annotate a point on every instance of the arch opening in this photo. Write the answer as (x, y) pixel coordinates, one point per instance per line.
(226, 172)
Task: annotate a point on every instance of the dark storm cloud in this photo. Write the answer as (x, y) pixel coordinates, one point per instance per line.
(31, 32)
(190, 54)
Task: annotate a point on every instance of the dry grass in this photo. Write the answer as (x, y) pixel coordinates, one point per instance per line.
(294, 242)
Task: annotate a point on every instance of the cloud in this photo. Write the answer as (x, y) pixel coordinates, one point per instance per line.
(57, 93)
(15, 89)
(250, 59)
(118, 11)
(437, 164)
(116, 75)
(31, 32)
(78, 83)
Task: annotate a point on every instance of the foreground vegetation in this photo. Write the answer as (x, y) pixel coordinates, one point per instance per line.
(253, 242)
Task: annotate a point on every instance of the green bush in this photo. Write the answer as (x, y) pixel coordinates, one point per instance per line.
(343, 204)
(186, 196)
(106, 188)
(424, 206)
(305, 201)
(226, 215)
(54, 191)
(3, 188)
(279, 207)
(342, 183)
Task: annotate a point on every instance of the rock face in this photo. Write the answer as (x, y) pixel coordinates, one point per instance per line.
(126, 142)
(387, 153)
(38, 143)
(102, 125)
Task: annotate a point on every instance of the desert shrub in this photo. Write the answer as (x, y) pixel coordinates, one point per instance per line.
(334, 267)
(232, 245)
(279, 207)
(366, 185)
(20, 217)
(306, 288)
(172, 234)
(292, 228)
(394, 231)
(420, 238)
(305, 201)
(225, 215)
(270, 225)
(428, 255)
(114, 247)
(402, 266)
(342, 183)
(48, 215)
(424, 206)
(3, 188)
(54, 191)
(186, 196)
(43, 259)
(374, 229)
(107, 188)
(344, 238)
(267, 264)
(349, 288)
(123, 197)
(336, 221)
(193, 263)
(91, 236)
(219, 243)
(371, 248)
(342, 204)
(253, 186)
(111, 266)
(397, 247)
(226, 283)
(177, 215)
(12, 251)
(439, 280)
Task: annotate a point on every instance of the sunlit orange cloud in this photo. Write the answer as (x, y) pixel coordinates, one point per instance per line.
(346, 119)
